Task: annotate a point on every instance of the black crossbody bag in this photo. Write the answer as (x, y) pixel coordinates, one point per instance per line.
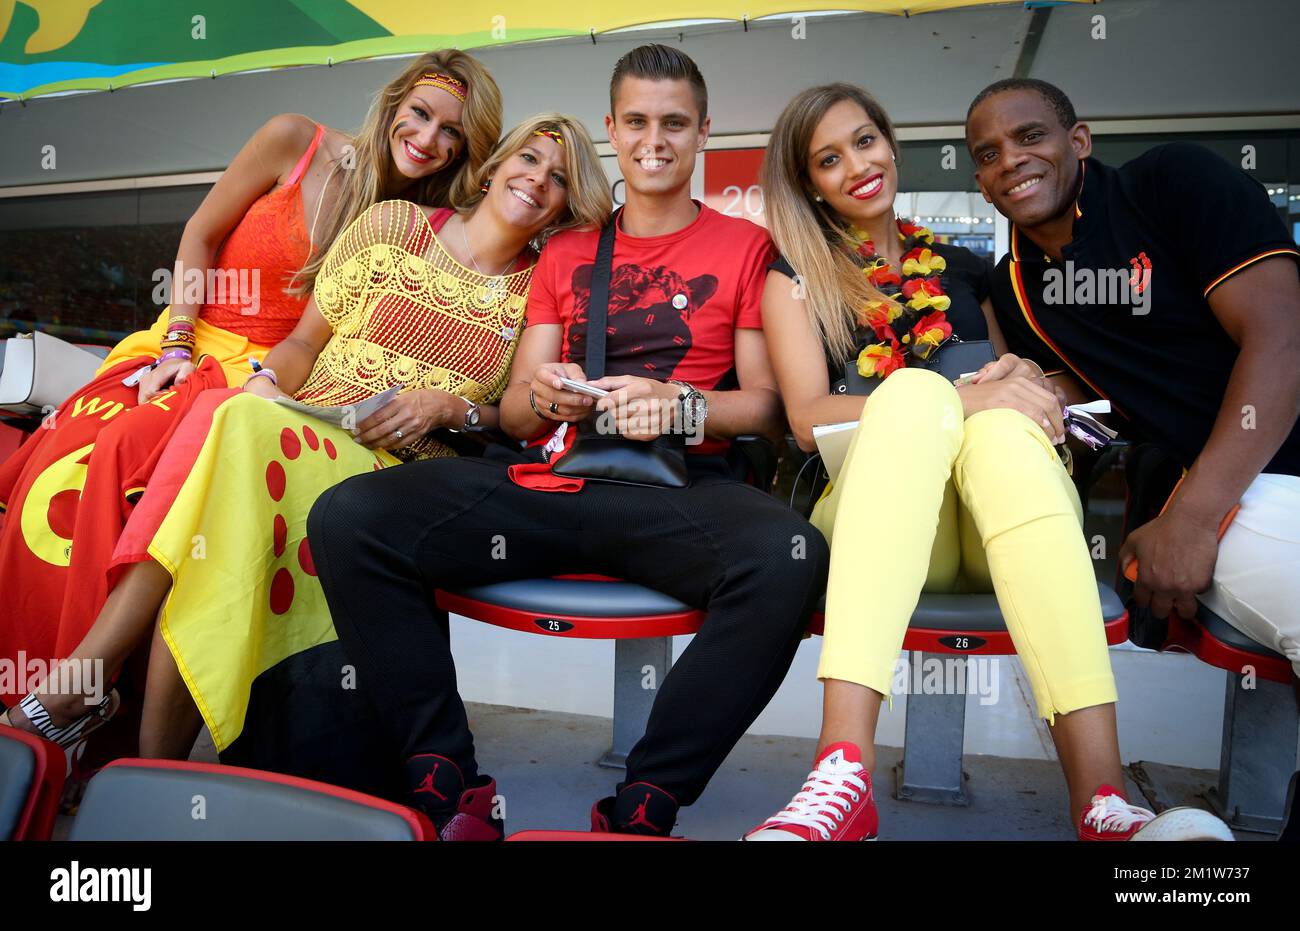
(609, 457)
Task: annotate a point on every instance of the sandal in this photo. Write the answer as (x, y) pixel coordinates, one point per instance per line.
(71, 734)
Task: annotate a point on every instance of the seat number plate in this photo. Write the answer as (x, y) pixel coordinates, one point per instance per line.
(963, 642)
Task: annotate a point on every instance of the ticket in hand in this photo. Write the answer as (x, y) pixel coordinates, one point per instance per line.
(1090, 431)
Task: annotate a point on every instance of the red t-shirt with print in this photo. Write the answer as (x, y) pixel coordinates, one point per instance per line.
(675, 301)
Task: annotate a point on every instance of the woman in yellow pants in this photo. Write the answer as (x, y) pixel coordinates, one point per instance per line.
(944, 488)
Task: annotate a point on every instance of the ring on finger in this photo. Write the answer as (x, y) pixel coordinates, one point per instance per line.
(555, 407)
(398, 434)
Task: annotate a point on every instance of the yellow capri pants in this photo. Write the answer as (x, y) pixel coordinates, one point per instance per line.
(930, 501)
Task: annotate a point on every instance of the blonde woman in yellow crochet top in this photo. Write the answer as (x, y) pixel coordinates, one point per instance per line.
(429, 300)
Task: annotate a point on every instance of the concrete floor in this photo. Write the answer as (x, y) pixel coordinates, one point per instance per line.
(544, 764)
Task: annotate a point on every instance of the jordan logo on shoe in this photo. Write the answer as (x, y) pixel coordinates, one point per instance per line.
(426, 784)
(638, 815)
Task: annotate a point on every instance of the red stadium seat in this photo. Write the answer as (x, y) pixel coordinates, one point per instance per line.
(168, 800)
(31, 779)
(10, 439)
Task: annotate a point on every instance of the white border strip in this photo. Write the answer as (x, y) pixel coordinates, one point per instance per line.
(111, 184)
(738, 141)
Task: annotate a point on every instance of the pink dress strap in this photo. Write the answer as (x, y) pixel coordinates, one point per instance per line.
(438, 219)
(296, 175)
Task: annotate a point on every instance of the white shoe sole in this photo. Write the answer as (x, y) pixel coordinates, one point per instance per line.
(1184, 824)
(777, 835)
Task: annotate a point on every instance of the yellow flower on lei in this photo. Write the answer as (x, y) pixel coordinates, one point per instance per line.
(927, 263)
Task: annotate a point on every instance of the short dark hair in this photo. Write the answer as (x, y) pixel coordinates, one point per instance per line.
(660, 63)
(1054, 96)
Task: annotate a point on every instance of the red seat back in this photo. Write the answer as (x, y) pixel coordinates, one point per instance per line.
(32, 772)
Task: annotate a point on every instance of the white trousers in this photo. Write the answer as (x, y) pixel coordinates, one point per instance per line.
(1256, 585)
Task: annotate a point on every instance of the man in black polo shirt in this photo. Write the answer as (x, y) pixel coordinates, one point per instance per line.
(1168, 285)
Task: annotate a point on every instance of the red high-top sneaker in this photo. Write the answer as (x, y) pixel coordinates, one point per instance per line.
(1111, 817)
(474, 818)
(459, 813)
(639, 808)
(835, 803)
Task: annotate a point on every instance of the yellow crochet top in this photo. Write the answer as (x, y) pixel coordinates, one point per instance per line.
(404, 312)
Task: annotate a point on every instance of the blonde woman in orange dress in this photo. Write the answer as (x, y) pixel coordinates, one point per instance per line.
(243, 274)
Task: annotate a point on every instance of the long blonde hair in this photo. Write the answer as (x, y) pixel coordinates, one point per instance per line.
(367, 182)
(589, 198)
(811, 235)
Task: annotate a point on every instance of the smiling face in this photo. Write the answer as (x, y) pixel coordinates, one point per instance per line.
(426, 135)
(530, 189)
(1026, 162)
(656, 132)
(851, 165)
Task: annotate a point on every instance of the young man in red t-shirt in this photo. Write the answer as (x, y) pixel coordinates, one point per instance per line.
(683, 352)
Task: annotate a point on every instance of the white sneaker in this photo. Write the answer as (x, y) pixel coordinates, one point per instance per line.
(1185, 824)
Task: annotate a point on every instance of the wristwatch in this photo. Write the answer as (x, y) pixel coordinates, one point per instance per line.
(472, 417)
(693, 407)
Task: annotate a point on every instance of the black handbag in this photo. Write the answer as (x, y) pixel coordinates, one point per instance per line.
(609, 457)
(952, 360)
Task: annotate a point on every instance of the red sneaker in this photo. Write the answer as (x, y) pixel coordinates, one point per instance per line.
(474, 818)
(459, 813)
(1111, 817)
(640, 808)
(835, 803)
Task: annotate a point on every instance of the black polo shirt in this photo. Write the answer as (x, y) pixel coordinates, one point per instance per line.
(1157, 353)
(966, 280)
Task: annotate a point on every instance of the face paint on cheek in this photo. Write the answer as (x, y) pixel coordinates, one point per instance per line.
(397, 127)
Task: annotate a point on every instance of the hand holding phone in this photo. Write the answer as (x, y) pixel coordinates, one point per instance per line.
(583, 388)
